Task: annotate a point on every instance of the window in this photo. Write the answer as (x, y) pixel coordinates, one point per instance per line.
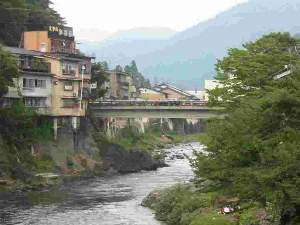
(87, 69)
(43, 47)
(68, 86)
(35, 102)
(40, 83)
(28, 83)
(69, 69)
(34, 83)
(69, 103)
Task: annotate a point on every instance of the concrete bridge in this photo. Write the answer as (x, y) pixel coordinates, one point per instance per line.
(154, 109)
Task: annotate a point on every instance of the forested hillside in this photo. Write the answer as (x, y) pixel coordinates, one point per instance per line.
(17, 16)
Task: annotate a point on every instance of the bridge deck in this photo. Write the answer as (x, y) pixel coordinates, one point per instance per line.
(155, 110)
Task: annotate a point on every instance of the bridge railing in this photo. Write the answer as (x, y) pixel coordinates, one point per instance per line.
(150, 103)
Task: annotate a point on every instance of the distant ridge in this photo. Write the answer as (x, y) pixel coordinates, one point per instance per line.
(188, 57)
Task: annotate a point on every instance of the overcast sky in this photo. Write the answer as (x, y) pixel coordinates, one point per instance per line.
(113, 15)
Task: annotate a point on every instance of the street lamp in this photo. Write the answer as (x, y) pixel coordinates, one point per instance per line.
(83, 68)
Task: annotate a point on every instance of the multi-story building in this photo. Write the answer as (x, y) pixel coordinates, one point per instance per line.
(200, 94)
(151, 95)
(120, 86)
(35, 82)
(55, 77)
(54, 40)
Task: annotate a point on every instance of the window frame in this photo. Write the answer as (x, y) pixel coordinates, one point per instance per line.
(65, 85)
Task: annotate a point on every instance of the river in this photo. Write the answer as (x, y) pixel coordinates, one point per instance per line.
(100, 201)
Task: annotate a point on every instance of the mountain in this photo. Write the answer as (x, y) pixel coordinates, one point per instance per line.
(188, 57)
(91, 35)
(123, 46)
(142, 33)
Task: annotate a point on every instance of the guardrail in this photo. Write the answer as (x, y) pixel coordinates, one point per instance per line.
(150, 103)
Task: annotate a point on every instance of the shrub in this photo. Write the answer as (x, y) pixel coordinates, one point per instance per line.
(180, 204)
(212, 219)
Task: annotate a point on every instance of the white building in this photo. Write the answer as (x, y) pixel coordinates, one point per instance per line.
(34, 83)
(198, 94)
(210, 85)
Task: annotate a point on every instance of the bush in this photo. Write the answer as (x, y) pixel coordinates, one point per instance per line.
(212, 219)
(180, 204)
(248, 217)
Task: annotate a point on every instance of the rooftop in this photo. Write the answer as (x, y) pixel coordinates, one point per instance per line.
(22, 51)
(178, 90)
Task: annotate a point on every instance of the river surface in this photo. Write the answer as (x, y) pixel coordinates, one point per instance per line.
(101, 201)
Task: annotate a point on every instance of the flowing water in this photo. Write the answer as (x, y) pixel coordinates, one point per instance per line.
(101, 201)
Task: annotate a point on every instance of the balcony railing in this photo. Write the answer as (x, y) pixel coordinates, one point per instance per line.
(85, 93)
(69, 72)
(35, 65)
(125, 87)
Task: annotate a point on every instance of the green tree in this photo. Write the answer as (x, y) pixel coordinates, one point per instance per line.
(139, 80)
(119, 68)
(20, 127)
(8, 71)
(254, 152)
(17, 16)
(244, 71)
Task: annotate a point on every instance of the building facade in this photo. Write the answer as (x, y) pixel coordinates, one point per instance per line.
(35, 82)
(120, 86)
(173, 93)
(151, 95)
(201, 95)
(55, 77)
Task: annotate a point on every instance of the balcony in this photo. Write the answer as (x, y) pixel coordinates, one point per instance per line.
(63, 45)
(125, 87)
(124, 83)
(85, 93)
(69, 72)
(35, 65)
(86, 71)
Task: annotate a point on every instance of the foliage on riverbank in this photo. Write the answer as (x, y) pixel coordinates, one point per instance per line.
(185, 205)
(20, 129)
(153, 139)
(254, 153)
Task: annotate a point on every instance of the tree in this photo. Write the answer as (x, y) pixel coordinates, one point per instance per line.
(119, 68)
(244, 71)
(17, 16)
(255, 151)
(99, 76)
(138, 79)
(8, 71)
(20, 127)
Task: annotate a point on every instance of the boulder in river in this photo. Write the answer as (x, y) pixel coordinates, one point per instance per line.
(123, 161)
